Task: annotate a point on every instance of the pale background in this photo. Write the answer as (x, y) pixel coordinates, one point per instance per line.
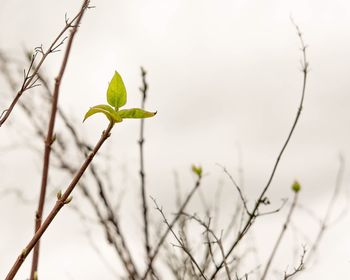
(225, 78)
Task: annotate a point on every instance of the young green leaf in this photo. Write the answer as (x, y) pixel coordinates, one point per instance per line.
(135, 113)
(107, 110)
(116, 92)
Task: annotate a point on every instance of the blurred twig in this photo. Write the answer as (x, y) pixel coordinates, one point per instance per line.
(171, 225)
(297, 269)
(324, 222)
(143, 90)
(279, 239)
(180, 240)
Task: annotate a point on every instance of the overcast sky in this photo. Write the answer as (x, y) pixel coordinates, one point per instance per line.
(225, 79)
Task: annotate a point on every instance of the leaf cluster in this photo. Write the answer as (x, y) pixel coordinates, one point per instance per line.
(116, 98)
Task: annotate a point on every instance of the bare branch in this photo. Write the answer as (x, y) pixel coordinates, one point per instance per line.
(30, 76)
(261, 198)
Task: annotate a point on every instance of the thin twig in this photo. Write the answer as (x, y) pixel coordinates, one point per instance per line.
(297, 269)
(238, 188)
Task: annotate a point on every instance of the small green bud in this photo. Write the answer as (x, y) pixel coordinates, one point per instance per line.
(296, 186)
(197, 170)
(59, 195)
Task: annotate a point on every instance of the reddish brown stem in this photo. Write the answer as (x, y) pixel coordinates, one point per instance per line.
(61, 201)
(50, 139)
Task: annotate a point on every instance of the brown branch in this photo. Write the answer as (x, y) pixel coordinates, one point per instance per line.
(30, 77)
(83, 147)
(279, 239)
(114, 238)
(255, 212)
(62, 199)
(118, 241)
(50, 138)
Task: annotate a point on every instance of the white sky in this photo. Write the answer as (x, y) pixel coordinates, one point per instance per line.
(222, 74)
